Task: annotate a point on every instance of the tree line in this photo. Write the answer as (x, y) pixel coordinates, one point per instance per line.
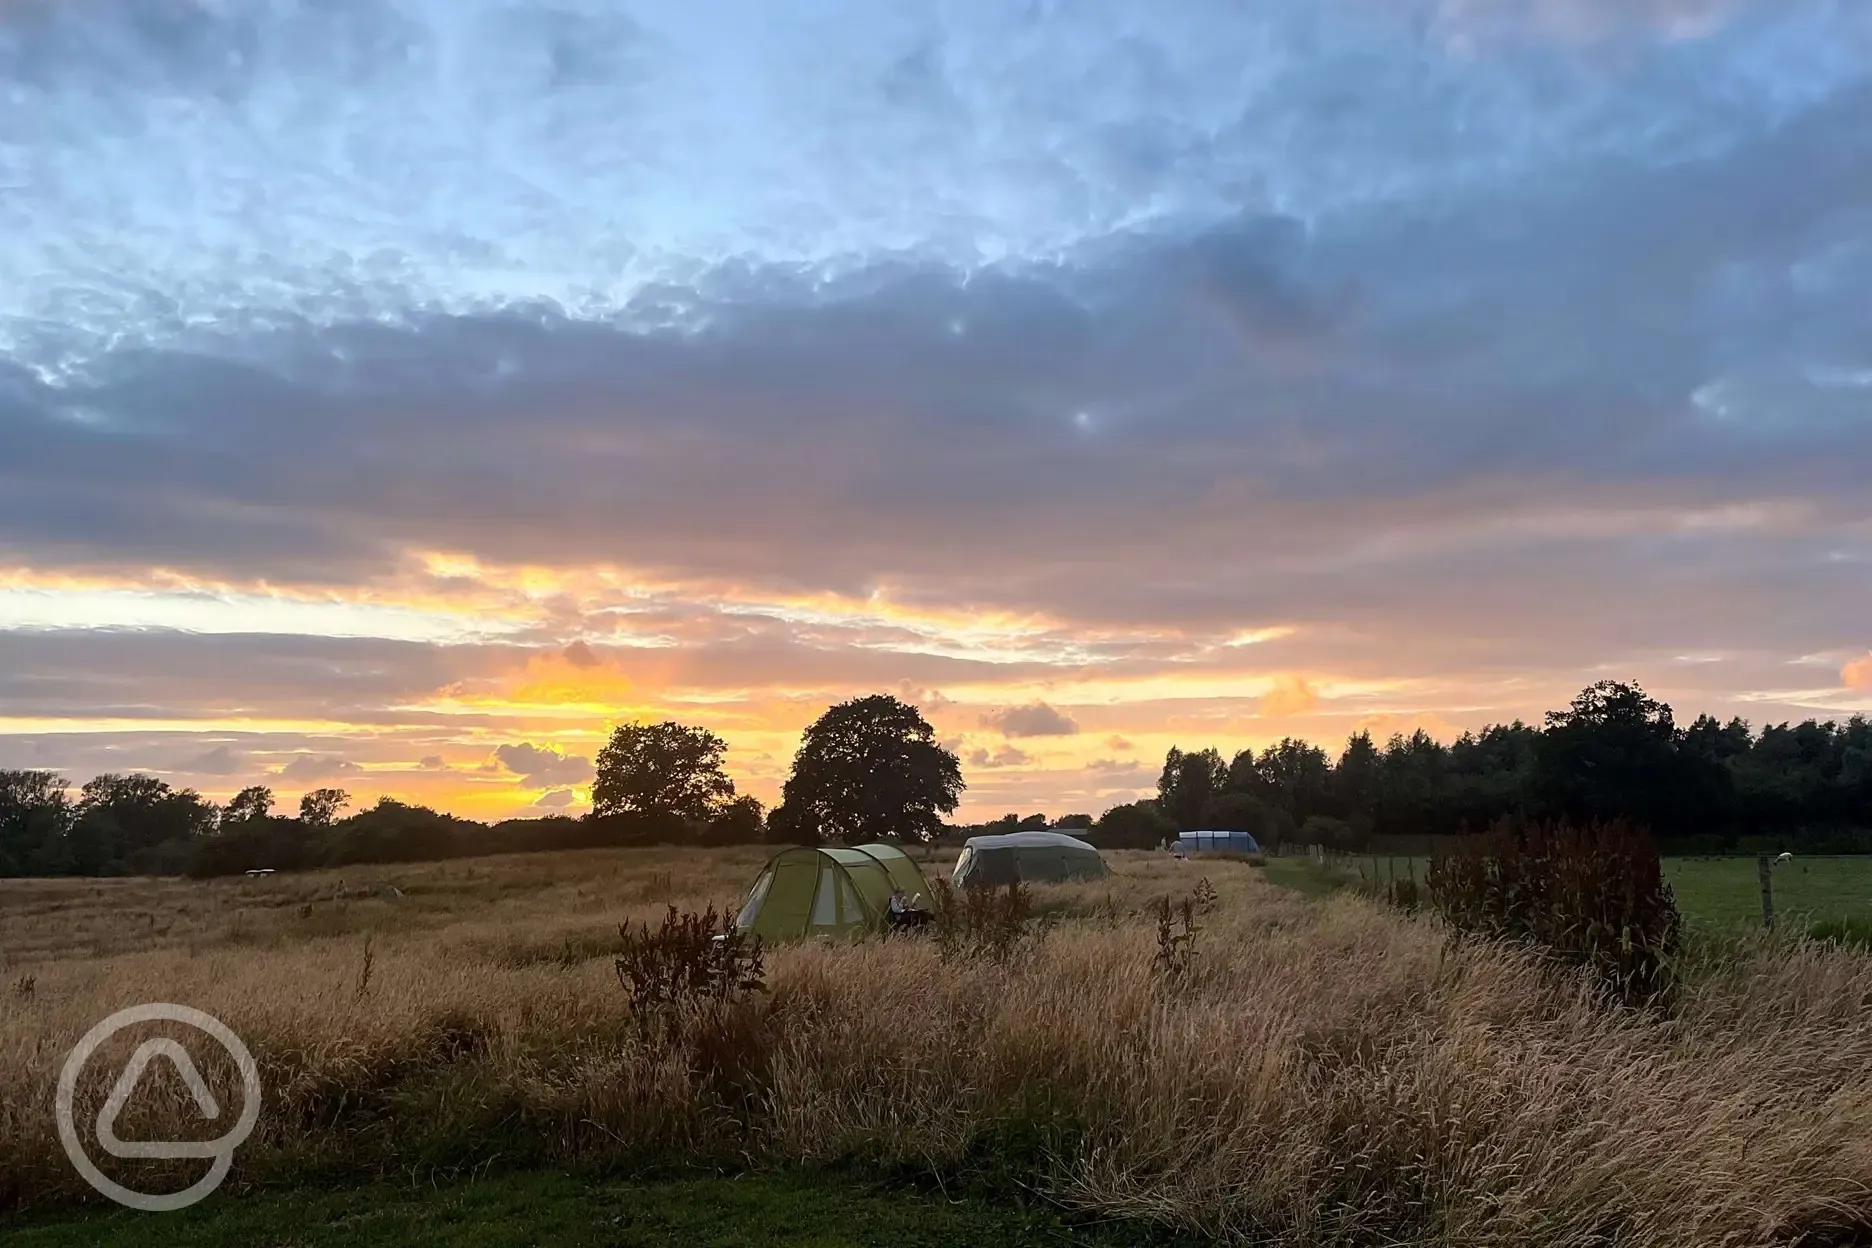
(872, 769)
(867, 769)
(1614, 753)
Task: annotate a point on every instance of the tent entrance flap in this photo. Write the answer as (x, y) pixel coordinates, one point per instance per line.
(756, 896)
(825, 901)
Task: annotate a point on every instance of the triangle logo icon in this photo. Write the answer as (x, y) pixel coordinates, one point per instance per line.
(125, 1087)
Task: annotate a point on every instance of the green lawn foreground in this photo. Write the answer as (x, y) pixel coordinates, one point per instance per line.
(547, 1210)
(1713, 892)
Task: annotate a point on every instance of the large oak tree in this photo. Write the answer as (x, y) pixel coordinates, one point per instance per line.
(667, 769)
(869, 769)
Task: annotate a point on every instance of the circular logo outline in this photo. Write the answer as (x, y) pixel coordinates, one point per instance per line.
(222, 1150)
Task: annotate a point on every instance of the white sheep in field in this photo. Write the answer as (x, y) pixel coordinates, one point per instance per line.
(1785, 857)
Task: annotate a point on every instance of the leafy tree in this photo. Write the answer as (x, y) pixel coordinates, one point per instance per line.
(1711, 739)
(741, 822)
(253, 802)
(1413, 790)
(665, 770)
(1012, 822)
(1490, 776)
(1356, 778)
(1612, 754)
(1244, 812)
(391, 831)
(868, 769)
(1187, 784)
(1332, 833)
(1244, 773)
(1075, 821)
(35, 817)
(1134, 825)
(1295, 776)
(122, 820)
(320, 807)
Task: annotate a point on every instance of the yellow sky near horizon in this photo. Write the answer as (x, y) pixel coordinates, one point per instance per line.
(487, 690)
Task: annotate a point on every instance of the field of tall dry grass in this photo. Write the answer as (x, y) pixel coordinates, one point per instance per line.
(1323, 1072)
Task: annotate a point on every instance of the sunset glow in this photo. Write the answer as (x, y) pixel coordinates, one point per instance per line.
(400, 396)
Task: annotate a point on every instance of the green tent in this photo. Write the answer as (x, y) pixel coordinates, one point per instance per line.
(1026, 857)
(828, 892)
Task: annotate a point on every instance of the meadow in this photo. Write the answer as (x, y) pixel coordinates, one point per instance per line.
(1317, 1071)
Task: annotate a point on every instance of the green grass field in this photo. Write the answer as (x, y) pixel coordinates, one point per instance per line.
(1717, 892)
(1727, 891)
(536, 1210)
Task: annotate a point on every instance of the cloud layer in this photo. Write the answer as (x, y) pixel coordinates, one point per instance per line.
(425, 384)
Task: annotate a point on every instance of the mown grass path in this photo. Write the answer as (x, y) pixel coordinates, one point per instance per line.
(537, 1210)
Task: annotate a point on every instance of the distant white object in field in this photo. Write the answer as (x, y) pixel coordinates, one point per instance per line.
(260, 871)
(1785, 858)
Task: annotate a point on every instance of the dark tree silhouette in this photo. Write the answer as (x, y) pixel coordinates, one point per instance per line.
(1188, 783)
(320, 807)
(666, 770)
(253, 802)
(869, 769)
(872, 768)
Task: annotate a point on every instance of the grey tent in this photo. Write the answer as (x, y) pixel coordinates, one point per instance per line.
(1026, 857)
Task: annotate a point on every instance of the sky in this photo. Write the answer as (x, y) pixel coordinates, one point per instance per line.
(400, 393)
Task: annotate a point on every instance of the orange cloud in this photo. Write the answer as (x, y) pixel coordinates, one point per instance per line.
(1291, 695)
(1858, 673)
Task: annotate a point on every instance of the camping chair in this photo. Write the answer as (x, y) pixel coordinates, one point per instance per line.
(911, 920)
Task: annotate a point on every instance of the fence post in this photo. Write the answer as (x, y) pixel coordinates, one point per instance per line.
(1765, 870)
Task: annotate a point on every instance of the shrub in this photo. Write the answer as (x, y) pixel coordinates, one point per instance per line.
(1593, 895)
(1176, 936)
(1136, 825)
(981, 922)
(691, 958)
(1333, 834)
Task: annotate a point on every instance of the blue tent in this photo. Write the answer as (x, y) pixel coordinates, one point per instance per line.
(1216, 843)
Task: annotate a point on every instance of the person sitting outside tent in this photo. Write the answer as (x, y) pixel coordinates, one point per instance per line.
(903, 911)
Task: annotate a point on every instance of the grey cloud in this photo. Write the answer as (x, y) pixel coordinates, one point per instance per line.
(542, 765)
(311, 767)
(1005, 756)
(1035, 720)
(581, 655)
(220, 761)
(926, 700)
(1384, 413)
(983, 452)
(557, 799)
(148, 674)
